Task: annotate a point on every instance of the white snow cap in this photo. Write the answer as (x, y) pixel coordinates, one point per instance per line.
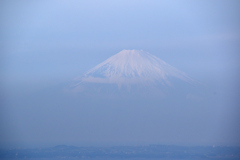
(133, 66)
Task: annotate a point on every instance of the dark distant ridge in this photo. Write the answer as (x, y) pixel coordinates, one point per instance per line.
(126, 152)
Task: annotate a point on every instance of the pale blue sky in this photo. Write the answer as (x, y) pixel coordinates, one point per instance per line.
(50, 42)
(62, 36)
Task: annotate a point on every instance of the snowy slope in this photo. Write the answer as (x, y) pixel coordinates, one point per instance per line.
(131, 67)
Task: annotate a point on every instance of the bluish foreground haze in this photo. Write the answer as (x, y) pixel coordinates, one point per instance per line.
(45, 44)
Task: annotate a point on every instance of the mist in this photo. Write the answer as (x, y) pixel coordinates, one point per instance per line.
(45, 45)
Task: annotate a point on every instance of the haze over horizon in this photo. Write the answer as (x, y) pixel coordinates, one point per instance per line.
(45, 45)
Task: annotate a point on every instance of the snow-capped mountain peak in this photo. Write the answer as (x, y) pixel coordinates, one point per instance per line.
(131, 67)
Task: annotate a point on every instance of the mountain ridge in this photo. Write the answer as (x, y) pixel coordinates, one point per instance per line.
(130, 67)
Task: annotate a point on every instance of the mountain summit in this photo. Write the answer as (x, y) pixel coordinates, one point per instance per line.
(132, 67)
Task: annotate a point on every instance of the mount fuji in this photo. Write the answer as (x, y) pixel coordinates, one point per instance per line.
(130, 70)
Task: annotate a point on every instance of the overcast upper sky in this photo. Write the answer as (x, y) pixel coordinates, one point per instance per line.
(50, 42)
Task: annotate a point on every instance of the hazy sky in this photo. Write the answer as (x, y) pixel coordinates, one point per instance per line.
(47, 43)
